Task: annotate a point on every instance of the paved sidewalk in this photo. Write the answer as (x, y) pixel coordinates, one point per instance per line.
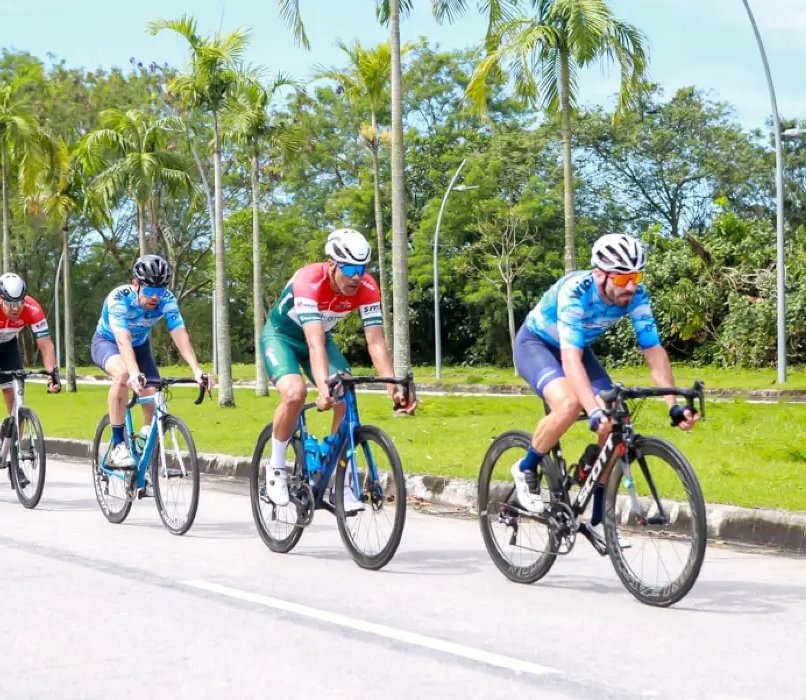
(777, 529)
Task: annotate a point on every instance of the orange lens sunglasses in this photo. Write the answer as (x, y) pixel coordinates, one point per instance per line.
(622, 279)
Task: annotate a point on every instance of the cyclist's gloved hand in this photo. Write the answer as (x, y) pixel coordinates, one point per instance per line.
(137, 382)
(595, 417)
(678, 414)
(54, 382)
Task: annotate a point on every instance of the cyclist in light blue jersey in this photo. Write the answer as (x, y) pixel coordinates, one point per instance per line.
(121, 345)
(553, 353)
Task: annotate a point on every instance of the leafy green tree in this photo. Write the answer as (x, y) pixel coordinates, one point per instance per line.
(247, 119)
(542, 53)
(211, 79)
(131, 152)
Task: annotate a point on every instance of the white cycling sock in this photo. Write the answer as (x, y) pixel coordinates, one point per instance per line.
(278, 448)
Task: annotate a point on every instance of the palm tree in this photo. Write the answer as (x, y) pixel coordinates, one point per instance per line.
(19, 140)
(59, 195)
(212, 77)
(542, 54)
(387, 11)
(367, 82)
(130, 153)
(246, 117)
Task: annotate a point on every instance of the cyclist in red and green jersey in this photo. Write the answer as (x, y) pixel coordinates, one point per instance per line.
(297, 334)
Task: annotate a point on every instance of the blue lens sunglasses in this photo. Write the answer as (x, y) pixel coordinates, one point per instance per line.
(158, 292)
(352, 270)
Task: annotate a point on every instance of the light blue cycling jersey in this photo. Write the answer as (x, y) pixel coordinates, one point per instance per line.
(122, 312)
(572, 314)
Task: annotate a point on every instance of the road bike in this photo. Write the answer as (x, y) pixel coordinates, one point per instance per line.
(653, 503)
(166, 461)
(23, 449)
(363, 456)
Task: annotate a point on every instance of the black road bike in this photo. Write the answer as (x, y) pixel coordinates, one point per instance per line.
(653, 503)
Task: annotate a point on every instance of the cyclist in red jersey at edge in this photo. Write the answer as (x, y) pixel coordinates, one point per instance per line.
(18, 310)
(297, 332)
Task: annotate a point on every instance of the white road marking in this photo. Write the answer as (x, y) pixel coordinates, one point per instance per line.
(420, 640)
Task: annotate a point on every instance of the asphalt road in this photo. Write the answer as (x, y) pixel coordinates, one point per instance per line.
(91, 609)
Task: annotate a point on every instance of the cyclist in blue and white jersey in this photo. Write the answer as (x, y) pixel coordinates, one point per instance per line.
(553, 353)
(121, 345)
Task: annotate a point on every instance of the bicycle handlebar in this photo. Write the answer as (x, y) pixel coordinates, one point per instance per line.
(23, 373)
(619, 392)
(165, 383)
(407, 382)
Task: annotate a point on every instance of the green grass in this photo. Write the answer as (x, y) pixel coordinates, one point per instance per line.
(751, 455)
(714, 377)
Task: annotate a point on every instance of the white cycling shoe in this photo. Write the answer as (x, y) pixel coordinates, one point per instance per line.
(277, 485)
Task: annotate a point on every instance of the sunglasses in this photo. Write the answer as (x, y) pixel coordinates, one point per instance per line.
(352, 270)
(14, 305)
(158, 292)
(622, 279)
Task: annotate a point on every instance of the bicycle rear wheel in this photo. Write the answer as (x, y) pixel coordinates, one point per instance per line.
(114, 493)
(663, 517)
(28, 460)
(176, 480)
(521, 545)
(280, 527)
(372, 535)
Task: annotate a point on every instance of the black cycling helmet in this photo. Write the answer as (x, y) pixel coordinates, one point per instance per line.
(152, 271)
(12, 287)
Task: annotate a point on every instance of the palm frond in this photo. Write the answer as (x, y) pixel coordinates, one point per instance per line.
(289, 11)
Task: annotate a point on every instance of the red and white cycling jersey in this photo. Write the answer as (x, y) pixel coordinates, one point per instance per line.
(308, 296)
(32, 315)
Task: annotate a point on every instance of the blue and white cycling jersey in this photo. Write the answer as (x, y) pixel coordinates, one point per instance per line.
(122, 312)
(572, 314)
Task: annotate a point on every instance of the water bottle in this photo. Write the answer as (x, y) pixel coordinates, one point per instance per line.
(586, 462)
(140, 439)
(312, 461)
(325, 447)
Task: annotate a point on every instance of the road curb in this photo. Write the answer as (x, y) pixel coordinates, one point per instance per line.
(778, 529)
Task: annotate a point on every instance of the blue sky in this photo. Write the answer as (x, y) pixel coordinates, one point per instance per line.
(707, 43)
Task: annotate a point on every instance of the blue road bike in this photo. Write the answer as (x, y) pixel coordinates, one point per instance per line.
(362, 456)
(166, 461)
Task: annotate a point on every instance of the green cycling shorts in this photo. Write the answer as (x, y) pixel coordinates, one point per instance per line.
(284, 355)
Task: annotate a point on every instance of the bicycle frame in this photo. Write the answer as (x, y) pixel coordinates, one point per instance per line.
(18, 387)
(345, 435)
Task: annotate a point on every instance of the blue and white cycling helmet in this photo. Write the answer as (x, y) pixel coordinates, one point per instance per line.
(618, 252)
(345, 245)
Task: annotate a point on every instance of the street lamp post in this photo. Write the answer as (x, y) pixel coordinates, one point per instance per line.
(58, 321)
(779, 206)
(452, 186)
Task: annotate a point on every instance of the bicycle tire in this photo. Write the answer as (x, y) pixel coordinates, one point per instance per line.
(114, 514)
(521, 558)
(290, 523)
(378, 501)
(162, 478)
(679, 523)
(34, 468)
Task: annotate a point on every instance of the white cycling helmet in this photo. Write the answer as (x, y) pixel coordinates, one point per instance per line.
(618, 252)
(346, 245)
(12, 287)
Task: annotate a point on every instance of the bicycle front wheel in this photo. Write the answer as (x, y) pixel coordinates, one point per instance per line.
(28, 460)
(520, 544)
(280, 527)
(372, 535)
(113, 492)
(176, 479)
(655, 503)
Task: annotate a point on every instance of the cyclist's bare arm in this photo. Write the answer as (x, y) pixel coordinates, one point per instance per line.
(661, 370)
(379, 354)
(123, 339)
(578, 378)
(181, 339)
(48, 353)
(315, 337)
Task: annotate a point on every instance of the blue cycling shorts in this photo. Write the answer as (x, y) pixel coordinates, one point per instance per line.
(102, 349)
(539, 363)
